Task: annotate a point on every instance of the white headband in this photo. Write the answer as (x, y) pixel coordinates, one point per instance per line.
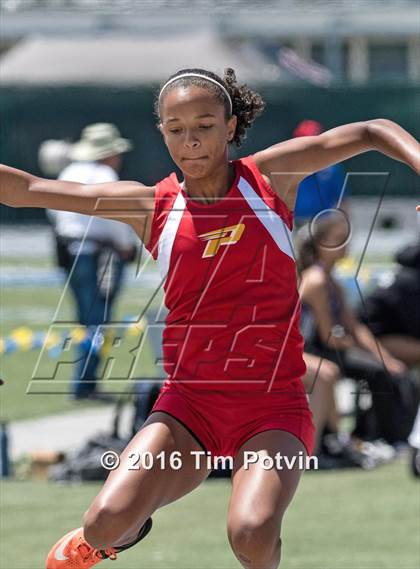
(203, 77)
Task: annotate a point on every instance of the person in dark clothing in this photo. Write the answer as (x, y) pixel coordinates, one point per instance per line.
(392, 312)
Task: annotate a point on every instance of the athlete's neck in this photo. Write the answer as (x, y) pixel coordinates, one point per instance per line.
(212, 188)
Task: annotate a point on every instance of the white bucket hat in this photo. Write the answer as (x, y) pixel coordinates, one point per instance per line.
(98, 141)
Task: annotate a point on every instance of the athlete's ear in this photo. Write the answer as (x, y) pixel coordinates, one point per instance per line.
(232, 122)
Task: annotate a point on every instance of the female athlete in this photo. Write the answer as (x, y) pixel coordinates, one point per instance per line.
(232, 347)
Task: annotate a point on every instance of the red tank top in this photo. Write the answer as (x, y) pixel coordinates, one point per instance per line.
(230, 286)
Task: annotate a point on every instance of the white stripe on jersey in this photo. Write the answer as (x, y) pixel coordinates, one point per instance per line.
(167, 236)
(274, 224)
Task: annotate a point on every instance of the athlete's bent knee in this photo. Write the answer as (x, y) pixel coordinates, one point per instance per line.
(256, 543)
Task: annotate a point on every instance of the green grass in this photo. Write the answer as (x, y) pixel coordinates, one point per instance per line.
(338, 520)
(27, 262)
(34, 309)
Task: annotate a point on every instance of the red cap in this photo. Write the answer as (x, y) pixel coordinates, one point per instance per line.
(308, 128)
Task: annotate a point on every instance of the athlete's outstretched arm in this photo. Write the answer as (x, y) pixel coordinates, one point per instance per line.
(130, 202)
(287, 163)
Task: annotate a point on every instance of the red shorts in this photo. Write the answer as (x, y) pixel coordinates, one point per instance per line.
(223, 421)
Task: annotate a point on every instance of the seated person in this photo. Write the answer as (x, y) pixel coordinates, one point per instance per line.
(340, 337)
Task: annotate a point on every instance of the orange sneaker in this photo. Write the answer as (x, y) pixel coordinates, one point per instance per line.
(73, 552)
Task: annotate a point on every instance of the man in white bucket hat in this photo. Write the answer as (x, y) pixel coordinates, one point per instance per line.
(99, 141)
(93, 251)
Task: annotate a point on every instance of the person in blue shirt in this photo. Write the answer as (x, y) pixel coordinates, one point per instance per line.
(322, 190)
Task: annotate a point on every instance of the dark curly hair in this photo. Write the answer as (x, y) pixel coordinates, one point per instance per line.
(247, 104)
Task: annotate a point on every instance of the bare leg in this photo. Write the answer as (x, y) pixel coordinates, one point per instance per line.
(333, 421)
(260, 498)
(129, 497)
(404, 348)
(319, 381)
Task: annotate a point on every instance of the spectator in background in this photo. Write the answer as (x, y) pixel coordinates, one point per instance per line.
(392, 312)
(340, 337)
(93, 251)
(321, 190)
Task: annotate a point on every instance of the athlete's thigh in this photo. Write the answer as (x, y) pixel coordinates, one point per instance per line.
(261, 493)
(168, 446)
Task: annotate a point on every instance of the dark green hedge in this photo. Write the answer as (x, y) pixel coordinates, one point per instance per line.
(31, 115)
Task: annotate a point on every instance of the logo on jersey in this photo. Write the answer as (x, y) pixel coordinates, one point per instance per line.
(224, 236)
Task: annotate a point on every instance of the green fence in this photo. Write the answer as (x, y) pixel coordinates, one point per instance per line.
(31, 115)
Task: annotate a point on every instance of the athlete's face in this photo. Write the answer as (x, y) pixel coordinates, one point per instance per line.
(195, 129)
